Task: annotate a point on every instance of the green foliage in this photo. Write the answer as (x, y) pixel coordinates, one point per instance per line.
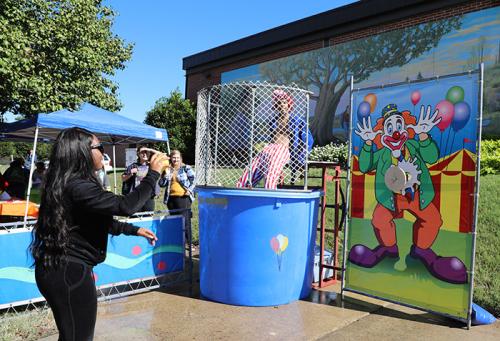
(21, 149)
(487, 269)
(331, 152)
(490, 157)
(178, 116)
(58, 54)
(491, 107)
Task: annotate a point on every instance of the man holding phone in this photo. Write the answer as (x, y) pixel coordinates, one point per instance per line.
(136, 172)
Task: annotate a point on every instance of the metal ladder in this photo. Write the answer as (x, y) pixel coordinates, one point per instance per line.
(339, 207)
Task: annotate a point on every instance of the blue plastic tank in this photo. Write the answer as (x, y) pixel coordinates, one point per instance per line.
(256, 246)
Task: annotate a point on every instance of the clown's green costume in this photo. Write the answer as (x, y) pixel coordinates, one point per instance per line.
(401, 153)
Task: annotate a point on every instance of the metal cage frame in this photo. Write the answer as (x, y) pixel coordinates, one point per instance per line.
(249, 131)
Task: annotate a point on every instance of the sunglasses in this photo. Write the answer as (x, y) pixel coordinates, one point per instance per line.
(99, 147)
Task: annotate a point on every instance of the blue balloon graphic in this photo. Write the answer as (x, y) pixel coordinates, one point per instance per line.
(363, 110)
(462, 116)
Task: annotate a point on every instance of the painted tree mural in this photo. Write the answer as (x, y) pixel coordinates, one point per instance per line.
(327, 71)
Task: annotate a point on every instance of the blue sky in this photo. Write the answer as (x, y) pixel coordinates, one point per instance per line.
(166, 31)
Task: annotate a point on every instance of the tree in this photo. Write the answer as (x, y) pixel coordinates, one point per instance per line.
(57, 54)
(328, 70)
(178, 116)
(21, 149)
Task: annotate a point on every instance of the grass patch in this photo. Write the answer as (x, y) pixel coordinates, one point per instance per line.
(487, 270)
(31, 325)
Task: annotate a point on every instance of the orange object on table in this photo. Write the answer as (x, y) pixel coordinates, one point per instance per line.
(17, 208)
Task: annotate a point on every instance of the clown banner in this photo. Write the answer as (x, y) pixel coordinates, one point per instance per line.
(412, 195)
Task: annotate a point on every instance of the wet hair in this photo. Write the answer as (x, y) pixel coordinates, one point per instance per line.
(71, 158)
(279, 95)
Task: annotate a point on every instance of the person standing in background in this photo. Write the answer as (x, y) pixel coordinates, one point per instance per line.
(27, 161)
(134, 175)
(17, 177)
(179, 180)
(38, 175)
(103, 179)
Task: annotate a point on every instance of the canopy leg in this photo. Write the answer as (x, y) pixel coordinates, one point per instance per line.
(30, 180)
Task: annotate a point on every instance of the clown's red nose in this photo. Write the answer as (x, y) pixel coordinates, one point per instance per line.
(396, 135)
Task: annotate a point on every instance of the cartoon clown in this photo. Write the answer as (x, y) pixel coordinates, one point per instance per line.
(403, 183)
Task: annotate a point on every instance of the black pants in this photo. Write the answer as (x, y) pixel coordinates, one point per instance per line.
(176, 203)
(71, 293)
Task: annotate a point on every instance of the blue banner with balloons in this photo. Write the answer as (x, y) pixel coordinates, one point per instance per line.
(456, 99)
(128, 258)
(413, 175)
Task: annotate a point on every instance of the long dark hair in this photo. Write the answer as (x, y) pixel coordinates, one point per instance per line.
(71, 158)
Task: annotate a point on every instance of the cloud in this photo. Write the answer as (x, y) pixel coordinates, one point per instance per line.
(475, 41)
(474, 28)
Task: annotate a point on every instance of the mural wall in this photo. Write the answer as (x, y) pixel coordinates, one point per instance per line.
(448, 46)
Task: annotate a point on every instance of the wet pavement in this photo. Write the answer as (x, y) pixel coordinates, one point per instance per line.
(172, 314)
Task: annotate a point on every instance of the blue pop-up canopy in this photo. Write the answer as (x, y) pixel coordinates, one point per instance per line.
(107, 126)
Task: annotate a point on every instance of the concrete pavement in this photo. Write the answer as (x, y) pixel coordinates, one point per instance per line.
(171, 314)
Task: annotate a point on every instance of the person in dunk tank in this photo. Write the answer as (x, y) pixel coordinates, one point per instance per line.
(270, 161)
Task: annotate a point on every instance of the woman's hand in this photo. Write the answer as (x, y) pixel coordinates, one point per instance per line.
(158, 162)
(148, 234)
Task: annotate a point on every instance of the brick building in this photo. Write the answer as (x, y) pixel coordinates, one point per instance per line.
(430, 32)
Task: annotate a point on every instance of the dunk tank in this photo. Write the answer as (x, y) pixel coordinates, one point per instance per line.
(257, 235)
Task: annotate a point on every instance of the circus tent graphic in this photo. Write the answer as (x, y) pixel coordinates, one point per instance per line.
(453, 178)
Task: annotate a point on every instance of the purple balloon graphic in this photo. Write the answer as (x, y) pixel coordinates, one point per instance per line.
(446, 112)
(363, 110)
(461, 117)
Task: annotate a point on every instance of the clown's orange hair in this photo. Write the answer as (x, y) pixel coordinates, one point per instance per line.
(408, 118)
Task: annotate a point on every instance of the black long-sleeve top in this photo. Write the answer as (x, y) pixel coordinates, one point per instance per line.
(92, 210)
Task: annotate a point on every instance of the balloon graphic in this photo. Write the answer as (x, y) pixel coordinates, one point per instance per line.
(363, 110)
(279, 245)
(455, 94)
(461, 117)
(415, 97)
(446, 111)
(283, 242)
(275, 244)
(372, 100)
